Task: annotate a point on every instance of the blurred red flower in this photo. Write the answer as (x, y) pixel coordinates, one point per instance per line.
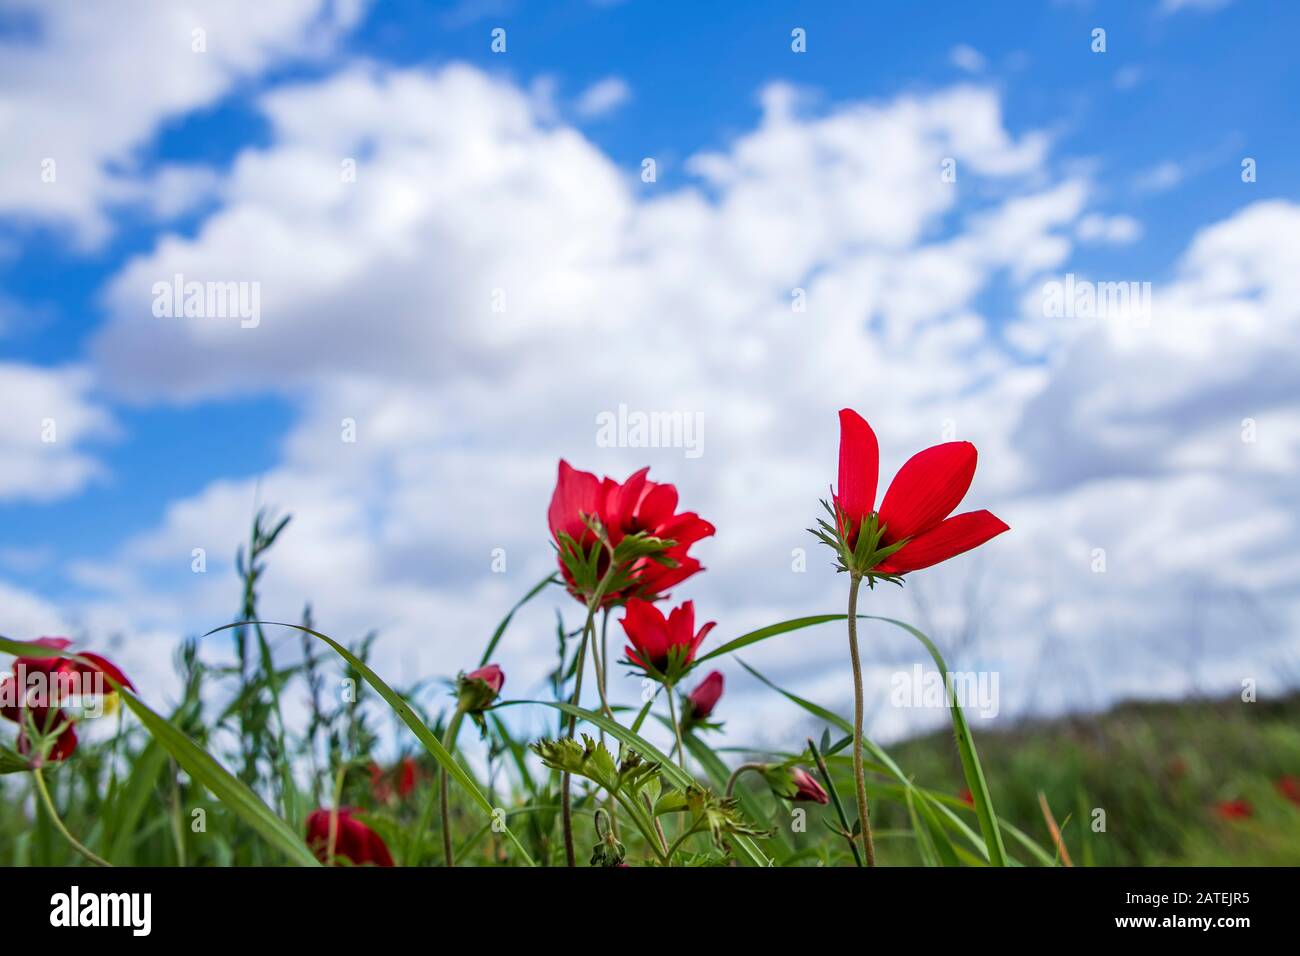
(918, 503)
(353, 840)
(662, 646)
(1234, 809)
(967, 797)
(1289, 787)
(401, 779)
(41, 680)
(632, 506)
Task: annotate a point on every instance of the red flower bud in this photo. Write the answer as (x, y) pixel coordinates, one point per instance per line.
(353, 840)
(492, 675)
(705, 697)
(807, 787)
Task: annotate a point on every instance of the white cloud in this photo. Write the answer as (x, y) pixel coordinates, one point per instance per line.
(47, 417)
(1160, 178)
(1116, 230)
(968, 58)
(603, 97)
(89, 84)
(1204, 6)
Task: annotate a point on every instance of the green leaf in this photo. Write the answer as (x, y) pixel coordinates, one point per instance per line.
(132, 799)
(409, 717)
(12, 762)
(772, 630)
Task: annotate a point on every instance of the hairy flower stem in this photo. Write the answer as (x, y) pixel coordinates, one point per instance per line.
(58, 822)
(735, 775)
(444, 785)
(588, 634)
(677, 727)
(859, 778)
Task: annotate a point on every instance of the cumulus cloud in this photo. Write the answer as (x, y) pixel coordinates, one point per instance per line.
(84, 87)
(48, 418)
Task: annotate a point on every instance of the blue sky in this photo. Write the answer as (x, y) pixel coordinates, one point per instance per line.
(1139, 152)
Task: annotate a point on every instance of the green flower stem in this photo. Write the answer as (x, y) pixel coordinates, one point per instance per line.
(859, 777)
(677, 727)
(444, 785)
(334, 813)
(835, 799)
(735, 774)
(58, 822)
(689, 831)
(588, 634)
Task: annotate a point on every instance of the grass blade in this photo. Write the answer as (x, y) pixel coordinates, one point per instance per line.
(970, 760)
(772, 630)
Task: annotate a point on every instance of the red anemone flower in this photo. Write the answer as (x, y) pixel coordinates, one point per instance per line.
(352, 839)
(806, 788)
(701, 701)
(917, 505)
(653, 636)
(635, 505)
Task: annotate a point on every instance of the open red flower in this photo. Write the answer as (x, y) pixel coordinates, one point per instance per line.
(701, 701)
(662, 646)
(635, 505)
(918, 503)
(353, 840)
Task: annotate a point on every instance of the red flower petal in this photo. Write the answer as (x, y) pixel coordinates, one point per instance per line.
(657, 506)
(859, 467)
(927, 489)
(953, 536)
(621, 501)
(576, 493)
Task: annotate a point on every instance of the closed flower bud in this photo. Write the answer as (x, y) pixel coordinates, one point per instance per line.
(478, 689)
(701, 701)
